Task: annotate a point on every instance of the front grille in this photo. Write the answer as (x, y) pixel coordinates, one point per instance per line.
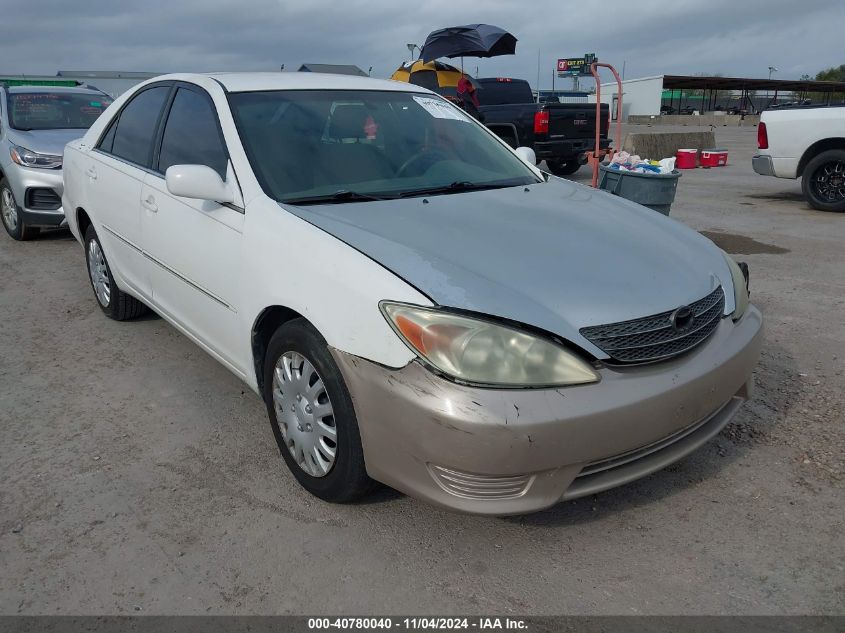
(42, 199)
(472, 486)
(654, 337)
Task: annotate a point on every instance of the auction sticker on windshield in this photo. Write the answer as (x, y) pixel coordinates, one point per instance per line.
(439, 109)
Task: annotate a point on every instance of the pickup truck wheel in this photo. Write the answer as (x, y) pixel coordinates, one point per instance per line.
(115, 303)
(823, 183)
(12, 221)
(563, 169)
(312, 415)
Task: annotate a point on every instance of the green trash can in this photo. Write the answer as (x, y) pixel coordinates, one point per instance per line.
(655, 191)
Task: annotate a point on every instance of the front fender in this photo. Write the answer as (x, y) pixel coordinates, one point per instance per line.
(293, 264)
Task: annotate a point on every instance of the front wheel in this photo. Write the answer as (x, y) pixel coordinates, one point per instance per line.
(11, 217)
(563, 168)
(823, 183)
(115, 303)
(312, 415)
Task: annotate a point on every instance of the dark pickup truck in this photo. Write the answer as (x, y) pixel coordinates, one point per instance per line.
(559, 133)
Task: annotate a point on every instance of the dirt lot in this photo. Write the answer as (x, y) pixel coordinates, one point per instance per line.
(139, 476)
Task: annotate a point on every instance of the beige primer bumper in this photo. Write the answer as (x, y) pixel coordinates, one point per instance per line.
(512, 451)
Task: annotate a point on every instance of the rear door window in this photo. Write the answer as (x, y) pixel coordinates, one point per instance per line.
(108, 139)
(503, 90)
(192, 135)
(134, 132)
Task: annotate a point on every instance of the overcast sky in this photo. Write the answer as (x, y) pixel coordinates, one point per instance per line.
(731, 37)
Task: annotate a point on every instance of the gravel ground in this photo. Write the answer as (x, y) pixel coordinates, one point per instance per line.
(139, 476)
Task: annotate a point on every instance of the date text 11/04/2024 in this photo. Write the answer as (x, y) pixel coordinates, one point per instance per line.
(419, 623)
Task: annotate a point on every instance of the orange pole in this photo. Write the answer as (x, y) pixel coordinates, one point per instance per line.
(617, 141)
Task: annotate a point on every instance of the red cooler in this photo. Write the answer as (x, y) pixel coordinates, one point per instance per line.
(714, 157)
(686, 158)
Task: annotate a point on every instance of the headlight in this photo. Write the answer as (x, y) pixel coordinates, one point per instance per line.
(485, 353)
(740, 288)
(28, 158)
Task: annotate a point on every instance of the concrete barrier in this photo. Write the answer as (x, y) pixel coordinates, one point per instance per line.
(702, 120)
(659, 145)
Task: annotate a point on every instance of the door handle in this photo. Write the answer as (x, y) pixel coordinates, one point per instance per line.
(91, 173)
(149, 203)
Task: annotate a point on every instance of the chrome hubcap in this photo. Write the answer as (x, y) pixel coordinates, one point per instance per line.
(99, 273)
(304, 414)
(9, 209)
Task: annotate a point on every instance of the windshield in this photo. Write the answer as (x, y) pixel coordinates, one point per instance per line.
(55, 110)
(311, 146)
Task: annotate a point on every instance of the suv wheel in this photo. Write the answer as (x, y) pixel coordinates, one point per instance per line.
(823, 183)
(12, 221)
(312, 415)
(112, 300)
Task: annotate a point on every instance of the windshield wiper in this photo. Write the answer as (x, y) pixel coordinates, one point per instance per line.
(336, 197)
(458, 185)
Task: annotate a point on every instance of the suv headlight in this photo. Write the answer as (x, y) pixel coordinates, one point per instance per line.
(740, 288)
(485, 353)
(28, 158)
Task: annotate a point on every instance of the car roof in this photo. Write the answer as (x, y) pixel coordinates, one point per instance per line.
(257, 81)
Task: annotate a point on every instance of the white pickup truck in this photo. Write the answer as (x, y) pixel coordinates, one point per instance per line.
(807, 143)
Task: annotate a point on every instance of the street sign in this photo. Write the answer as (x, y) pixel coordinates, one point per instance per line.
(575, 66)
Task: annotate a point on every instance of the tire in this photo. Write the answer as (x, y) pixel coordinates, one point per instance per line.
(115, 303)
(11, 218)
(345, 479)
(563, 169)
(823, 183)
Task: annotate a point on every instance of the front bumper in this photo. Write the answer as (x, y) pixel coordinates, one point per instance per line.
(497, 451)
(762, 164)
(24, 179)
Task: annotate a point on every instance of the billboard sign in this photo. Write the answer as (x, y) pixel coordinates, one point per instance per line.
(575, 66)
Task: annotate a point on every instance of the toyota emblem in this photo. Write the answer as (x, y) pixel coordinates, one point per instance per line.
(682, 318)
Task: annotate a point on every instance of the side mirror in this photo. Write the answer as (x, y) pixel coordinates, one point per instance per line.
(527, 154)
(197, 181)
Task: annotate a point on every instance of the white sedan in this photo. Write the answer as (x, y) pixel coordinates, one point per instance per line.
(415, 302)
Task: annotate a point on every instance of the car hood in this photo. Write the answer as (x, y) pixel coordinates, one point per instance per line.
(45, 141)
(557, 255)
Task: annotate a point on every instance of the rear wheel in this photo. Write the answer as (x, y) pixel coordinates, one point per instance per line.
(564, 168)
(12, 220)
(312, 415)
(823, 183)
(115, 303)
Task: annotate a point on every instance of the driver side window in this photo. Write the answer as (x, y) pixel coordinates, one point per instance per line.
(192, 135)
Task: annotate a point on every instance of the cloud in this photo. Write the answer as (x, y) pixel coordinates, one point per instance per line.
(650, 36)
